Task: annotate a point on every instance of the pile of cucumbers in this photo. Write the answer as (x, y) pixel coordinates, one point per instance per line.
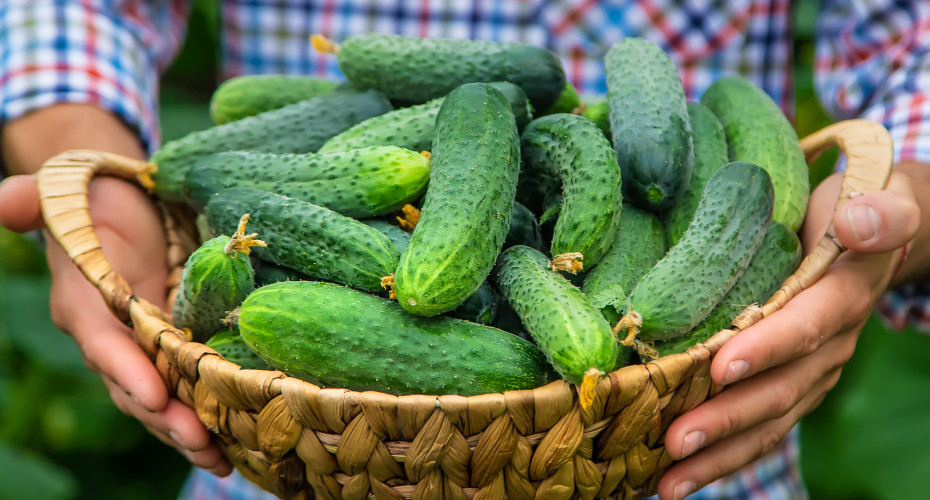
(455, 219)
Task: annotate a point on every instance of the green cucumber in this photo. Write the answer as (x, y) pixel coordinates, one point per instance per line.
(392, 231)
(230, 345)
(249, 95)
(308, 238)
(778, 256)
(269, 272)
(301, 127)
(710, 153)
(648, 122)
(759, 132)
(577, 340)
(413, 127)
(568, 101)
(597, 110)
(364, 182)
(415, 70)
(524, 229)
(638, 245)
(480, 307)
(589, 175)
(468, 204)
(333, 336)
(682, 288)
(215, 279)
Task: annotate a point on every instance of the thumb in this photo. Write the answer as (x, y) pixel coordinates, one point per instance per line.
(881, 221)
(19, 204)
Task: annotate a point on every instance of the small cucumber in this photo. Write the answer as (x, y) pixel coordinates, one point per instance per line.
(778, 256)
(638, 245)
(648, 123)
(334, 336)
(568, 101)
(301, 127)
(598, 111)
(248, 95)
(308, 238)
(413, 127)
(524, 229)
(468, 204)
(759, 132)
(230, 345)
(589, 175)
(395, 233)
(728, 226)
(415, 70)
(215, 279)
(269, 272)
(577, 340)
(710, 153)
(360, 183)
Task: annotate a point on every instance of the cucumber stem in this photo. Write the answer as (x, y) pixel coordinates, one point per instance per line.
(567, 262)
(645, 349)
(588, 387)
(387, 283)
(323, 44)
(242, 242)
(410, 218)
(630, 322)
(232, 318)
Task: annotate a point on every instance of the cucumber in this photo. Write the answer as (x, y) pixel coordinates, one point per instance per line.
(308, 238)
(577, 340)
(415, 70)
(301, 127)
(413, 127)
(395, 233)
(468, 204)
(248, 95)
(638, 245)
(269, 272)
(524, 229)
(230, 345)
(598, 111)
(568, 101)
(728, 226)
(710, 153)
(215, 279)
(758, 132)
(589, 175)
(364, 182)
(333, 336)
(480, 307)
(648, 123)
(778, 256)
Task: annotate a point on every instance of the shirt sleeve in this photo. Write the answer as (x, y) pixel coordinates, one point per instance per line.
(873, 62)
(104, 52)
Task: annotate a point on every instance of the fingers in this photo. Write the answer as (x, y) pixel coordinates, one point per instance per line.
(19, 204)
(879, 222)
(731, 454)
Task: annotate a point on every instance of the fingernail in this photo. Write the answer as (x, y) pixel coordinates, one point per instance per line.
(684, 489)
(864, 221)
(174, 437)
(694, 440)
(736, 371)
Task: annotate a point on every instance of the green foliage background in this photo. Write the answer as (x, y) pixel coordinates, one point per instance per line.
(61, 438)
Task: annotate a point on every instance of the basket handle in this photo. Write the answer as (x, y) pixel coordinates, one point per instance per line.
(869, 155)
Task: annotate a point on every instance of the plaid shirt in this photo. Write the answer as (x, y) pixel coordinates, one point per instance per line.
(869, 62)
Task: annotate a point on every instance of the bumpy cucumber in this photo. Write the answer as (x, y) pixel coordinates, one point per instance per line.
(524, 229)
(413, 127)
(249, 95)
(333, 336)
(567, 102)
(758, 132)
(648, 123)
(308, 238)
(638, 245)
(710, 153)
(468, 204)
(778, 256)
(480, 307)
(575, 337)
(216, 278)
(728, 226)
(360, 183)
(269, 272)
(597, 110)
(416, 70)
(587, 167)
(395, 233)
(230, 345)
(301, 127)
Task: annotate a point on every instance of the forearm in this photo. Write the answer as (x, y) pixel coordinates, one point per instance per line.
(33, 138)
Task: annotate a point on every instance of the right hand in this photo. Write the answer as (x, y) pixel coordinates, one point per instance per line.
(131, 235)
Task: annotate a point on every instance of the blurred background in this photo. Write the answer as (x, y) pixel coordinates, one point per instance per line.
(61, 438)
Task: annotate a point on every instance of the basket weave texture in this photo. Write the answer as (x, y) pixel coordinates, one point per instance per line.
(298, 440)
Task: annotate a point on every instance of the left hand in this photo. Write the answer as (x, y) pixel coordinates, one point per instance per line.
(780, 369)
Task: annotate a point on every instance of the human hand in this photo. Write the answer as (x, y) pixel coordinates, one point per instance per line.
(130, 232)
(780, 369)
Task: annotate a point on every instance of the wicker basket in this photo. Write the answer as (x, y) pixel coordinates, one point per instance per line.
(298, 440)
